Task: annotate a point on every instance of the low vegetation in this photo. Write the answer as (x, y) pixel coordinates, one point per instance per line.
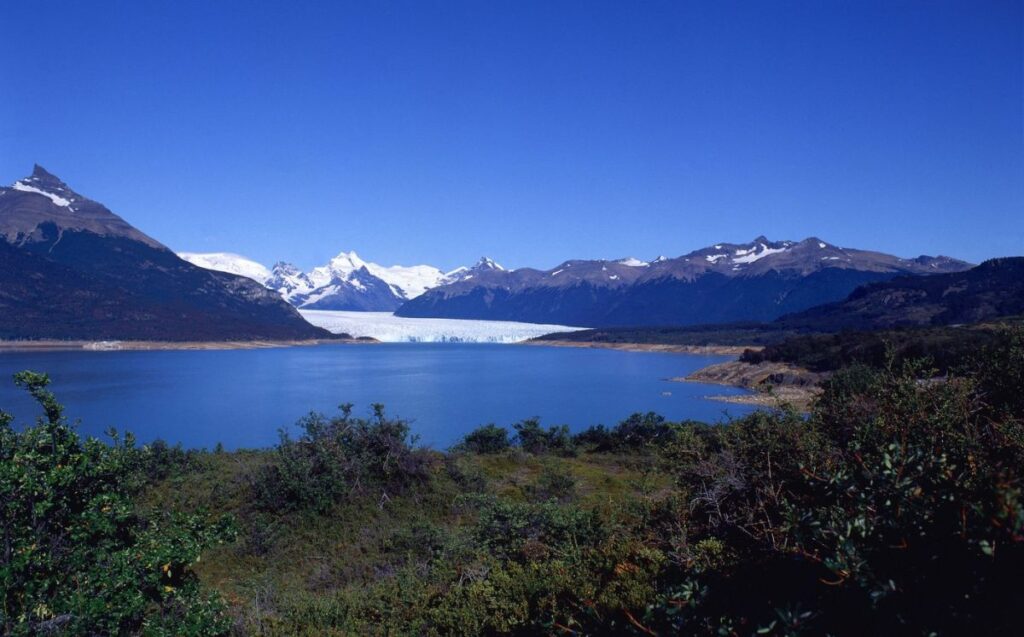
(693, 335)
(894, 507)
(945, 348)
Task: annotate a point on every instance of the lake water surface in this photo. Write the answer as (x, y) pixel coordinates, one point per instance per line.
(242, 397)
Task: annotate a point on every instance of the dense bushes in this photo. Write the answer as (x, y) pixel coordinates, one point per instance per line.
(487, 439)
(344, 457)
(947, 348)
(533, 438)
(896, 508)
(76, 556)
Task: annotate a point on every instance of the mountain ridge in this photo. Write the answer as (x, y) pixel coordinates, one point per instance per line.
(72, 269)
(724, 283)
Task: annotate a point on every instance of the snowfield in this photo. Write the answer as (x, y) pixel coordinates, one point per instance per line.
(386, 327)
(230, 263)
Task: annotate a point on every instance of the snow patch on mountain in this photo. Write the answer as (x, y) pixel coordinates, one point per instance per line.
(757, 253)
(56, 199)
(230, 263)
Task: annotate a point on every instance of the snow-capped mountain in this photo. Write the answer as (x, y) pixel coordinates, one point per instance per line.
(230, 263)
(346, 282)
(726, 282)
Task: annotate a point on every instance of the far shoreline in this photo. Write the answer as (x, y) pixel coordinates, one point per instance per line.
(132, 345)
(713, 350)
(732, 373)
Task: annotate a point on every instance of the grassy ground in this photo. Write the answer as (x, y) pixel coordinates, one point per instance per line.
(287, 570)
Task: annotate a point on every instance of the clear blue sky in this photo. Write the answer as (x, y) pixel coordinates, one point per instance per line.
(532, 132)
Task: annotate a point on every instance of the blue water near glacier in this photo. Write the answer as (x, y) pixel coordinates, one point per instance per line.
(241, 398)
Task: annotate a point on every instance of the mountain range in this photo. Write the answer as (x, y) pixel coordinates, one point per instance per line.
(756, 281)
(72, 269)
(346, 282)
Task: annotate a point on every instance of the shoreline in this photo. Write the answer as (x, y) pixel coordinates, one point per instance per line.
(771, 384)
(126, 346)
(714, 350)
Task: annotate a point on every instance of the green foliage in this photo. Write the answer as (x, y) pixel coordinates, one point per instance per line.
(487, 439)
(340, 458)
(533, 438)
(553, 483)
(632, 434)
(76, 556)
(948, 348)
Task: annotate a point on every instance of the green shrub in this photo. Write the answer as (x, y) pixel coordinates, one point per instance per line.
(76, 557)
(486, 439)
(340, 458)
(632, 434)
(533, 438)
(553, 483)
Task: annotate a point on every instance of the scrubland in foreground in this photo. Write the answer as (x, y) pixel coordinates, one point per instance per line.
(894, 507)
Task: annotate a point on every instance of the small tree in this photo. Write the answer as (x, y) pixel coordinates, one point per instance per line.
(487, 439)
(75, 556)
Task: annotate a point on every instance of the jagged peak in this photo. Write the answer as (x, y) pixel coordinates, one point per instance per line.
(812, 241)
(45, 180)
(42, 182)
(487, 263)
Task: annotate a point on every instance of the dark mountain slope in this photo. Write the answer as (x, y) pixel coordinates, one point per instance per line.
(992, 290)
(71, 269)
(725, 283)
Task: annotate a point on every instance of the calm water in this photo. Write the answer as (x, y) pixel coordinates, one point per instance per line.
(242, 397)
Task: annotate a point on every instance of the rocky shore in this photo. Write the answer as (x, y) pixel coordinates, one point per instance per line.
(771, 383)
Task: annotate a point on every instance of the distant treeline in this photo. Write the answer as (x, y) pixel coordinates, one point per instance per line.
(697, 335)
(944, 348)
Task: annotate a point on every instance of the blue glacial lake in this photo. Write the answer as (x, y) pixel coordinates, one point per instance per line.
(242, 397)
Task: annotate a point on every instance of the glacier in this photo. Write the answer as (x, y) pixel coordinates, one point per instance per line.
(388, 328)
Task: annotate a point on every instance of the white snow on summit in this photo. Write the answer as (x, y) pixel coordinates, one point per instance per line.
(756, 253)
(230, 263)
(343, 271)
(408, 282)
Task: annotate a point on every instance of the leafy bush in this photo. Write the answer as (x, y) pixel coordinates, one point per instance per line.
(76, 556)
(533, 438)
(632, 434)
(340, 458)
(896, 499)
(553, 483)
(487, 439)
